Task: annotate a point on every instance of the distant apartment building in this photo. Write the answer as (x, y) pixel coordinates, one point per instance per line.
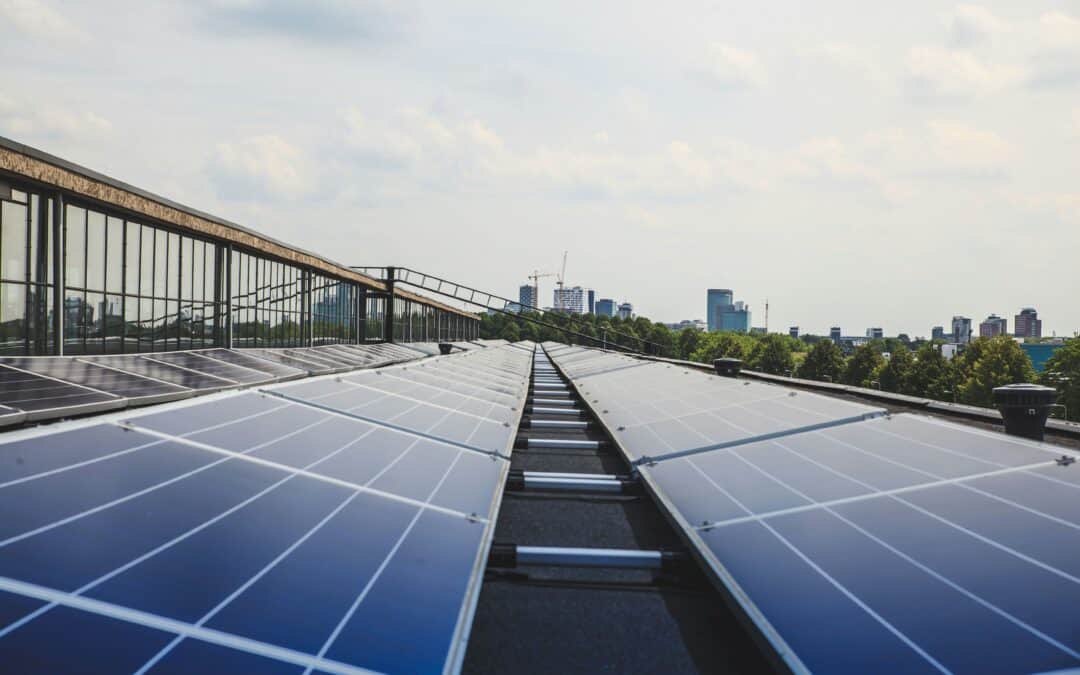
(606, 307)
(937, 333)
(626, 311)
(993, 326)
(1027, 323)
(570, 300)
(696, 324)
(834, 333)
(961, 330)
(527, 297)
(592, 301)
(723, 314)
(793, 331)
(875, 333)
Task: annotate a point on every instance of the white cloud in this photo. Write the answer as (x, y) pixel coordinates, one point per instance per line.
(51, 121)
(937, 71)
(37, 19)
(261, 167)
(853, 59)
(1059, 31)
(972, 24)
(729, 67)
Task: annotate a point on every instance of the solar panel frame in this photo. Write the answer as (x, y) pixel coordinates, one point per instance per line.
(80, 400)
(146, 366)
(279, 371)
(137, 389)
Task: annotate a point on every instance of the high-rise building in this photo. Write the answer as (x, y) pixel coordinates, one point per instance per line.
(527, 297)
(937, 333)
(994, 325)
(834, 333)
(793, 331)
(1027, 323)
(570, 300)
(592, 301)
(875, 333)
(961, 330)
(724, 314)
(606, 307)
(626, 310)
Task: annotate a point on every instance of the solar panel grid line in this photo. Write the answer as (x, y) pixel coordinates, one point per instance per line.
(280, 371)
(250, 582)
(997, 610)
(231, 454)
(450, 373)
(448, 381)
(379, 571)
(100, 401)
(310, 366)
(424, 402)
(873, 494)
(150, 620)
(10, 416)
(225, 381)
(472, 374)
(145, 377)
(647, 460)
(200, 362)
(382, 423)
(270, 377)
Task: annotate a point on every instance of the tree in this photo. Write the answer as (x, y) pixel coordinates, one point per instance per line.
(824, 362)
(862, 365)
(1063, 373)
(772, 354)
(895, 375)
(511, 332)
(723, 345)
(688, 341)
(932, 375)
(1001, 361)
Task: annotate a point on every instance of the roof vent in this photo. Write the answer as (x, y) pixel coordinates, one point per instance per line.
(1025, 408)
(445, 347)
(727, 367)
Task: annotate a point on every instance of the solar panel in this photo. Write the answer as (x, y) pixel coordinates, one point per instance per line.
(151, 366)
(9, 416)
(136, 389)
(902, 544)
(43, 398)
(246, 359)
(207, 365)
(278, 356)
(244, 532)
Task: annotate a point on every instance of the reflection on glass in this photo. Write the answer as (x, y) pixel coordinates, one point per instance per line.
(13, 241)
(12, 319)
(112, 320)
(131, 272)
(75, 319)
(95, 251)
(114, 273)
(171, 290)
(75, 247)
(161, 263)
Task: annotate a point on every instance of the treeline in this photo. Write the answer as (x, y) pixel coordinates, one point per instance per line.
(916, 368)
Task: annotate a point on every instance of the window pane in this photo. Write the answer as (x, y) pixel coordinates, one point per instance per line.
(146, 264)
(112, 320)
(131, 324)
(198, 270)
(12, 318)
(95, 251)
(74, 321)
(171, 291)
(146, 325)
(13, 241)
(131, 283)
(114, 274)
(186, 264)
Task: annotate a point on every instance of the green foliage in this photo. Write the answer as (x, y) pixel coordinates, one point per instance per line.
(932, 375)
(1063, 373)
(998, 361)
(719, 345)
(895, 375)
(824, 362)
(772, 354)
(688, 341)
(863, 364)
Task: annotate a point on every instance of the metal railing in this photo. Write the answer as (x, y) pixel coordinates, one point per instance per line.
(498, 303)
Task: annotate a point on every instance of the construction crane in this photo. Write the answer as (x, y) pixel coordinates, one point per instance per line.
(536, 276)
(562, 279)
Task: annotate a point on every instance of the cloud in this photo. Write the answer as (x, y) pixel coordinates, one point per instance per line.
(38, 20)
(263, 167)
(320, 22)
(1059, 31)
(727, 67)
(853, 59)
(972, 24)
(32, 120)
(939, 72)
(414, 138)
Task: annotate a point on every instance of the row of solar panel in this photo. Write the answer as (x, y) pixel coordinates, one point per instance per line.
(856, 542)
(338, 524)
(40, 388)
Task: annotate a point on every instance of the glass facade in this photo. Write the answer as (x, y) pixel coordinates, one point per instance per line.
(130, 285)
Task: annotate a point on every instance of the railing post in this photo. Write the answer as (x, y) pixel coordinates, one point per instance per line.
(389, 314)
(58, 273)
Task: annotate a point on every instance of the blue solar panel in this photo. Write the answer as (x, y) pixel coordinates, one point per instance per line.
(902, 544)
(244, 532)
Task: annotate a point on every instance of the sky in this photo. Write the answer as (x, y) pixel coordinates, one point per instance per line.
(856, 164)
